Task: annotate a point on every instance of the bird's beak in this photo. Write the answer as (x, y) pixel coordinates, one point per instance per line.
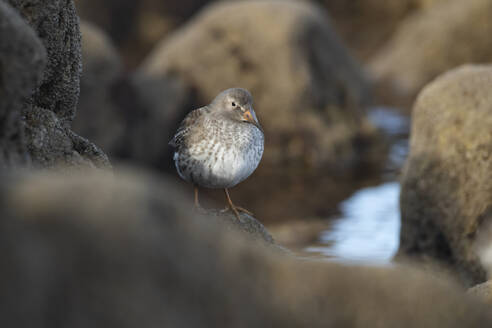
(249, 116)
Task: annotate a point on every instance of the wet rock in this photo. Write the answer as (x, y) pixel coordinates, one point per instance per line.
(42, 52)
(307, 90)
(446, 192)
(449, 34)
(125, 250)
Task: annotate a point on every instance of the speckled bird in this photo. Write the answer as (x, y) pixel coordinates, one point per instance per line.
(219, 145)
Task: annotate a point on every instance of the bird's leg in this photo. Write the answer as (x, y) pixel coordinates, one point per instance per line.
(235, 208)
(231, 205)
(197, 203)
(242, 209)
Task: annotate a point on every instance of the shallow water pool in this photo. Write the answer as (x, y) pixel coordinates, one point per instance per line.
(368, 227)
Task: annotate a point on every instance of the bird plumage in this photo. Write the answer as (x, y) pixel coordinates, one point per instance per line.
(221, 144)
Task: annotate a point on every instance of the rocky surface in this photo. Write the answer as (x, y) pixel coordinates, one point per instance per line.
(483, 291)
(22, 60)
(446, 185)
(247, 224)
(307, 91)
(367, 24)
(98, 114)
(40, 86)
(449, 34)
(125, 250)
(136, 26)
(115, 115)
(56, 24)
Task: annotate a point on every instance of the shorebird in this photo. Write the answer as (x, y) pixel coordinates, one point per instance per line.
(219, 145)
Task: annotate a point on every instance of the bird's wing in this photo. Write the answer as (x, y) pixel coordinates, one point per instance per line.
(185, 126)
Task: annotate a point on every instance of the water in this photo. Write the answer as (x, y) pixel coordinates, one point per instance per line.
(368, 228)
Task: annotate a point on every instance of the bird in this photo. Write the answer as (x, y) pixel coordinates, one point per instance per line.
(219, 145)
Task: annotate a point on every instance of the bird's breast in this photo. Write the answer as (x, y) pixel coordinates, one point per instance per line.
(225, 156)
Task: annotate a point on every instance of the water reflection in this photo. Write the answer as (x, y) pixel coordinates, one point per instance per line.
(368, 229)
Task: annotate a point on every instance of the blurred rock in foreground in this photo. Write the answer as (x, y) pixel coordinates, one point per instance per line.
(448, 34)
(92, 249)
(308, 93)
(39, 86)
(446, 192)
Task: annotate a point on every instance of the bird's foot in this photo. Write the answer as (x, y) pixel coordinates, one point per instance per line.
(236, 210)
(240, 209)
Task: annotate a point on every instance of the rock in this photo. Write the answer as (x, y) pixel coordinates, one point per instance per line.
(448, 34)
(482, 291)
(98, 115)
(446, 194)
(57, 25)
(150, 115)
(246, 224)
(22, 60)
(365, 25)
(136, 26)
(93, 249)
(307, 92)
(115, 115)
(43, 76)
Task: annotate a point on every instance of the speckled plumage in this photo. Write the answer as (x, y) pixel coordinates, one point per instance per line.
(215, 146)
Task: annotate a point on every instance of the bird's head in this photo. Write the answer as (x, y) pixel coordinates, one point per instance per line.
(236, 104)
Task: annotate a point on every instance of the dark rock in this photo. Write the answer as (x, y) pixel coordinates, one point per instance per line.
(40, 86)
(449, 34)
(99, 116)
(22, 60)
(100, 250)
(307, 89)
(150, 115)
(447, 181)
(246, 224)
(117, 116)
(136, 26)
(57, 26)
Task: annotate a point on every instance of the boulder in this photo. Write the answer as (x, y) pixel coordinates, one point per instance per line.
(93, 249)
(307, 91)
(57, 25)
(136, 26)
(41, 51)
(22, 60)
(365, 25)
(98, 115)
(446, 195)
(114, 115)
(448, 34)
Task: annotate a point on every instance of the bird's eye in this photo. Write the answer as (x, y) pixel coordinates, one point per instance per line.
(233, 104)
